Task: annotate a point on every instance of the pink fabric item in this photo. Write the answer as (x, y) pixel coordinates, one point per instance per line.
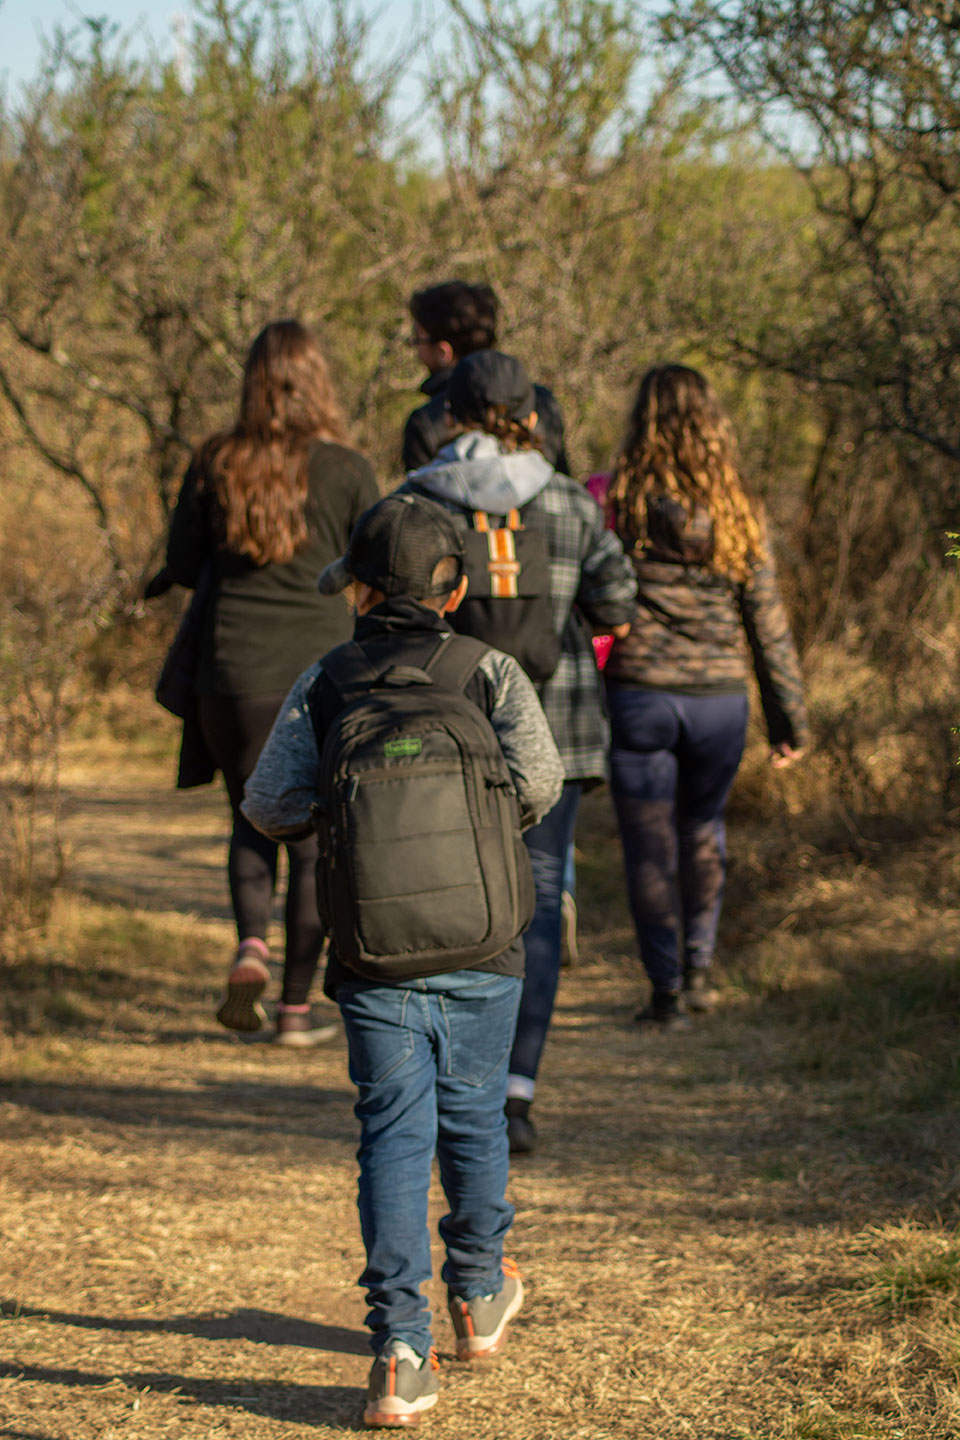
(602, 645)
(598, 484)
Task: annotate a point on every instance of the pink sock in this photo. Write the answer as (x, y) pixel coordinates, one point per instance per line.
(293, 1009)
(253, 942)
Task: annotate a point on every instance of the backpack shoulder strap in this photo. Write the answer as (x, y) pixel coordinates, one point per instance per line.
(348, 670)
(454, 661)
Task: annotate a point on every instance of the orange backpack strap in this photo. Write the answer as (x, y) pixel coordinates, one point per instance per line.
(503, 565)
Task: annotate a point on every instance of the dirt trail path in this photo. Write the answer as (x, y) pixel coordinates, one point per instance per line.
(179, 1244)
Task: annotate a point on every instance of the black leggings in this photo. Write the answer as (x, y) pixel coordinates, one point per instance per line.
(235, 730)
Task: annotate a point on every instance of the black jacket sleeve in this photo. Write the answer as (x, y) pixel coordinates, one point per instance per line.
(419, 440)
(190, 543)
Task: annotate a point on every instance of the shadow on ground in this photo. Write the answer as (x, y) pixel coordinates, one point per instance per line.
(317, 1404)
(265, 1327)
(312, 1111)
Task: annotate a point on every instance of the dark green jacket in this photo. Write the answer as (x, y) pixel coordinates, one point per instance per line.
(264, 624)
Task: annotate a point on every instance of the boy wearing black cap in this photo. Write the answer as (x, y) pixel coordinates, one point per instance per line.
(493, 478)
(428, 1054)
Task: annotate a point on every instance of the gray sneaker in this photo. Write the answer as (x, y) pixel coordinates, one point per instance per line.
(303, 1029)
(481, 1324)
(699, 993)
(399, 1390)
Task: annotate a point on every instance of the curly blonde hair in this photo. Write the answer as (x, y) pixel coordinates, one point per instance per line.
(680, 442)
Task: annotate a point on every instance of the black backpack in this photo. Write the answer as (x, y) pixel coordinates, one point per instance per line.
(508, 598)
(422, 866)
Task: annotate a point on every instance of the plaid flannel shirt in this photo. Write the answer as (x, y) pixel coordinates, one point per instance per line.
(589, 574)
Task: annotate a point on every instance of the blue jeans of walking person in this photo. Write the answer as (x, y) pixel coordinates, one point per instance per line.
(673, 760)
(429, 1059)
(548, 844)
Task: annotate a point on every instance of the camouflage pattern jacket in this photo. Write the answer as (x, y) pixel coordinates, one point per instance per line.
(694, 629)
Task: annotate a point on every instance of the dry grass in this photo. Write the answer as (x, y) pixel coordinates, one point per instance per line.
(742, 1234)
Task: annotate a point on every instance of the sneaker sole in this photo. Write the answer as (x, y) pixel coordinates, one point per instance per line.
(483, 1347)
(306, 1039)
(241, 1010)
(392, 1411)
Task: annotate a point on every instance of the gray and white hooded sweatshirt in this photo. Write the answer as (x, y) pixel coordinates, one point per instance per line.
(589, 573)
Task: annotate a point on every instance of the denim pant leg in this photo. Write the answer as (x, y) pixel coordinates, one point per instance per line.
(710, 750)
(547, 844)
(475, 1029)
(394, 1066)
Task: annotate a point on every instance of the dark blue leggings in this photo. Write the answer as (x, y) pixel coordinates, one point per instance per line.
(673, 762)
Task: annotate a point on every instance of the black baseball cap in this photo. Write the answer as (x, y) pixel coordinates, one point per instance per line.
(395, 546)
(485, 378)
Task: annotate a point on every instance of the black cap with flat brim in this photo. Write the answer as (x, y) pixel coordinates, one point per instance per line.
(395, 547)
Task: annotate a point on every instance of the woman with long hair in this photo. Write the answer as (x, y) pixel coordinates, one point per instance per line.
(264, 507)
(676, 684)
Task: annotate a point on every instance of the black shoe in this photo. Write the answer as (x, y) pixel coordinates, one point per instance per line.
(698, 992)
(521, 1131)
(665, 1010)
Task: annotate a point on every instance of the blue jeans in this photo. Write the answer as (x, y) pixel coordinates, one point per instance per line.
(673, 761)
(429, 1059)
(548, 844)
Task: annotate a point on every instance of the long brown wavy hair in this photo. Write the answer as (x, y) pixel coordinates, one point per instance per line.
(680, 442)
(258, 469)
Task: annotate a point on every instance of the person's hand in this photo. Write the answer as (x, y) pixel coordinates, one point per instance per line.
(783, 755)
(620, 632)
